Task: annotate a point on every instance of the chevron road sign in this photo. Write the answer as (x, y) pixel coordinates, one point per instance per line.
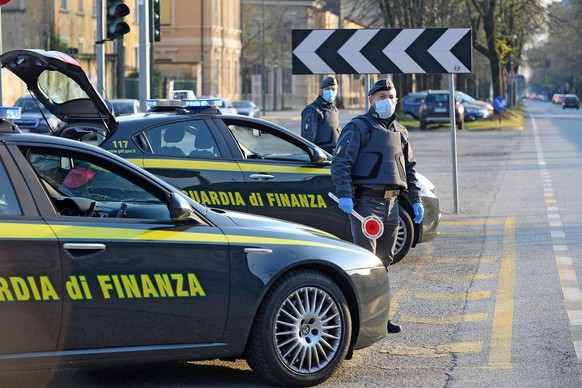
(382, 51)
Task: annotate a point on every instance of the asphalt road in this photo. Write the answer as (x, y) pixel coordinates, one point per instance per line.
(494, 301)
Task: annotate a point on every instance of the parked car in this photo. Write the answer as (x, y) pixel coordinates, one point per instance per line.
(229, 161)
(125, 106)
(411, 102)
(226, 107)
(475, 109)
(35, 117)
(183, 95)
(571, 101)
(435, 109)
(557, 98)
(247, 108)
(102, 262)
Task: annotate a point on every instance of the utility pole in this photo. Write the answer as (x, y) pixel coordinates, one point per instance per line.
(144, 57)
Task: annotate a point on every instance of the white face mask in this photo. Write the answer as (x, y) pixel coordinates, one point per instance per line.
(385, 108)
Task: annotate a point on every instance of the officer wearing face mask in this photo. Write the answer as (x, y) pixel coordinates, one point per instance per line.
(320, 120)
(372, 164)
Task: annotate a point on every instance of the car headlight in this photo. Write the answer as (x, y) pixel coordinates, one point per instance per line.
(427, 189)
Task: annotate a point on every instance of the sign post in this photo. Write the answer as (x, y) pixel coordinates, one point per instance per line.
(388, 51)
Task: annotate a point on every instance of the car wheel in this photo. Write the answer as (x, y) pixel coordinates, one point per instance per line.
(405, 235)
(301, 331)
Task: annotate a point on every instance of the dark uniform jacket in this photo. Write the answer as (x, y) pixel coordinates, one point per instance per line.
(374, 153)
(320, 124)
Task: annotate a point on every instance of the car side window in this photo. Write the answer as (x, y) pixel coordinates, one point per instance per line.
(8, 202)
(260, 143)
(87, 188)
(185, 139)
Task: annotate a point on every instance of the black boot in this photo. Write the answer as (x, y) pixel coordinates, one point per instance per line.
(393, 327)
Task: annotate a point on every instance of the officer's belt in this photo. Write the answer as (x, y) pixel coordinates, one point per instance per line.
(386, 194)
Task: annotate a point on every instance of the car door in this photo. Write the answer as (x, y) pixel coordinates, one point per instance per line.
(131, 276)
(282, 178)
(191, 155)
(31, 300)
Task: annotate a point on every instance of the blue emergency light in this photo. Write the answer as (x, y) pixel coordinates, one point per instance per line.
(10, 112)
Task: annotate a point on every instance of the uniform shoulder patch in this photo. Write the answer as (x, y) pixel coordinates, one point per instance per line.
(399, 127)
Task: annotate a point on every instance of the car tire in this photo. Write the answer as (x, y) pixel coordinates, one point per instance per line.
(405, 235)
(301, 331)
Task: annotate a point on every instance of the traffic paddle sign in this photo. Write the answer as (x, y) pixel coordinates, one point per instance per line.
(382, 51)
(372, 226)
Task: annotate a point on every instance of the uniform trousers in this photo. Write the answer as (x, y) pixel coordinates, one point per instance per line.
(387, 211)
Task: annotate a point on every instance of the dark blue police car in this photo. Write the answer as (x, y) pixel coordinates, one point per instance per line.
(227, 161)
(101, 261)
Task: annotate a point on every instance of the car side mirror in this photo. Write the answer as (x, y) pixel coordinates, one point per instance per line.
(320, 157)
(180, 209)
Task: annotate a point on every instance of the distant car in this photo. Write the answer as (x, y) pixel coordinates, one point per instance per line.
(227, 108)
(34, 119)
(474, 109)
(571, 101)
(557, 98)
(411, 102)
(435, 109)
(183, 95)
(125, 106)
(247, 108)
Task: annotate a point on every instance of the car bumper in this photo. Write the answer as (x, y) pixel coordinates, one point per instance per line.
(430, 220)
(373, 293)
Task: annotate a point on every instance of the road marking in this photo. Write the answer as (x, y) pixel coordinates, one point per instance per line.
(477, 317)
(443, 350)
(470, 234)
(463, 296)
(500, 351)
(417, 275)
(460, 261)
(471, 223)
(449, 278)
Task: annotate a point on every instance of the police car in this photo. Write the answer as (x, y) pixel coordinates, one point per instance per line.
(227, 161)
(101, 261)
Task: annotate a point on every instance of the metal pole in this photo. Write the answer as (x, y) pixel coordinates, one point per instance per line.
(366, 87)
(453, 142)
(144, 57)
(263, 75)
(100, 50)
(1, 97)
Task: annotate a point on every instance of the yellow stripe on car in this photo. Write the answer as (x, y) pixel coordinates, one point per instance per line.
(182, 164)
(40, 231)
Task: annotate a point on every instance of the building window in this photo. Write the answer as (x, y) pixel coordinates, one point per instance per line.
(80, 9)
(64, 5)
(94, 6)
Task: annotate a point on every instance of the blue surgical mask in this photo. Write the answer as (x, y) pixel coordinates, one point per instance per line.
(329, 95)
(385, 108)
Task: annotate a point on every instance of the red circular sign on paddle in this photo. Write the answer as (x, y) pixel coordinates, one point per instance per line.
(372, 227)
(4, 2)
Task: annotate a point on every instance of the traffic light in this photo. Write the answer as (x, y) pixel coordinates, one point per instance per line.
(155, 30)
(115, 25)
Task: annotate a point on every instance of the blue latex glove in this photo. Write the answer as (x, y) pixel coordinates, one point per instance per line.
(346, 204)
(418, 212)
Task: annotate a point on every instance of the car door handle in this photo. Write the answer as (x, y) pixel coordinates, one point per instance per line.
(80, 251)
(261, 177)
(259, 251)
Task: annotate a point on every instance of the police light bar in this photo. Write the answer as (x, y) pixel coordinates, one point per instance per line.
(164, 102)
(10, 112)
(203, 102)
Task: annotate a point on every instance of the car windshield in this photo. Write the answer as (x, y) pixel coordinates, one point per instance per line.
(242, 104)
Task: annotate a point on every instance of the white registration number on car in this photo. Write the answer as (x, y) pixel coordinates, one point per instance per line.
(440, 110)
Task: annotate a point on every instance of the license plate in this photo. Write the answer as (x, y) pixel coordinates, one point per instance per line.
(440, 110)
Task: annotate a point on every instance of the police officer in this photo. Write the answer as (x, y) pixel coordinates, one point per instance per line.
(320, 119)
(372, 165)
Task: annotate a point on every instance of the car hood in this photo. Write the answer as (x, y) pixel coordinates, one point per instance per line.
(60, 84)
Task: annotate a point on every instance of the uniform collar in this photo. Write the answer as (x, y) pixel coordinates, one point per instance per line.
(324, 102)
(386, 122)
